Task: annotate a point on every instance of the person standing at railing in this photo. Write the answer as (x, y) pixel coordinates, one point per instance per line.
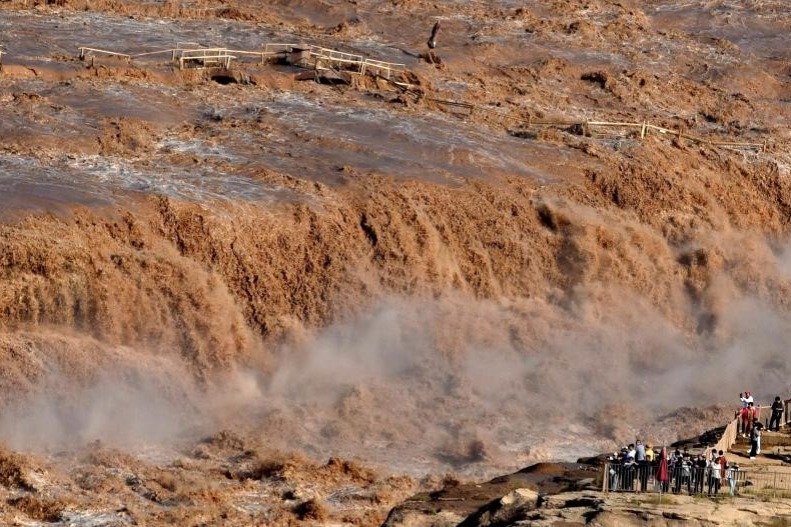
(723, 465)
(777, 414)
(662, 472)
(683, 475)
(642, 464)
(740, 422)
(755, 439)
(713, 470)
(616, 467)
(676, 461)
(698, 473)
(639, 451)
(629, 469)
(748, 412)
(732, 474)
(614, 472)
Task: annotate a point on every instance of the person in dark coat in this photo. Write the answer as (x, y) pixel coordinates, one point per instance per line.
(777, 414)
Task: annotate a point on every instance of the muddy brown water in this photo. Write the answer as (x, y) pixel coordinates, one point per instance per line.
(760, 29)
(354, 271)
(365, 138)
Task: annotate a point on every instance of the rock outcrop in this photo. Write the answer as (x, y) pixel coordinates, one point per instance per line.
(609, 510)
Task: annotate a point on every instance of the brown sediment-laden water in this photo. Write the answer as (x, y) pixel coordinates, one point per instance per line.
(207, 290)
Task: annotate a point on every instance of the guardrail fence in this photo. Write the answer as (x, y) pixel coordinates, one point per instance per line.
(688, 478)
(587, 128)
(697, 480)
(303, 55)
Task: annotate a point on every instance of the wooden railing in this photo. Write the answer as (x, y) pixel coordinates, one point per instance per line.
(728, 437)
(731, 432)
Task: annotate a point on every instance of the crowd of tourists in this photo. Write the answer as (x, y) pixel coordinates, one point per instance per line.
(638, 468)
(641, 468)
(749, 420)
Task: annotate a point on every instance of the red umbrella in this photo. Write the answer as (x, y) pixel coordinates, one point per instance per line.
(662, 473)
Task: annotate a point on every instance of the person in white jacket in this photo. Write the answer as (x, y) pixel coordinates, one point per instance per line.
(732, 474)
(755, 439)
(713, 469)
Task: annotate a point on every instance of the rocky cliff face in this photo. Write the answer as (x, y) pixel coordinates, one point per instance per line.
(520, 509)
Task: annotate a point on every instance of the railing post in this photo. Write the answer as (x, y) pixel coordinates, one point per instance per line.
(605, 480)
(774, 485)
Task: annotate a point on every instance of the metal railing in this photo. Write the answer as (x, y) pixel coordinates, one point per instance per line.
(193, 55)
(277, 47)
(204, 58)
(318, 58)
(618, 477)
(587, 128)
(643, 478)
(334, 57)
(769, 484)
(261, 55)
(378, 67)
(87, 52)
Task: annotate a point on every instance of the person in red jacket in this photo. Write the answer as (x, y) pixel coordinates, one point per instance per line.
(747, 420)
(723, 466)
